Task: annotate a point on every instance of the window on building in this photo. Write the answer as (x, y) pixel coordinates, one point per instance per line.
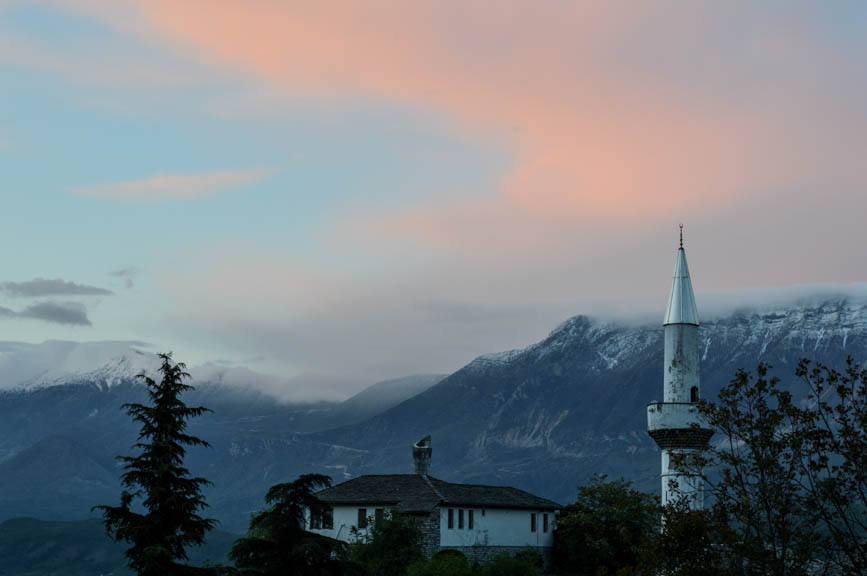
(321, 517)
(460, 519)
(362, 518)
(470, 519)
(532, 522)
(377, 516)
(451, 518)
(545, 523)
(483, 511)
(693, 394)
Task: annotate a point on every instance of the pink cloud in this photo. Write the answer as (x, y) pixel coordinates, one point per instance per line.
(172, 186)
(608, 108)
(621, 119)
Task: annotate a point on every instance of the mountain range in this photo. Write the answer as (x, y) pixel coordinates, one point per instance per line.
(543, 418)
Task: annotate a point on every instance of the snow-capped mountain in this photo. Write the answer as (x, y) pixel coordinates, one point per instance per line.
(543, 418)
(110, 363)
(547, 417)
(31, 366)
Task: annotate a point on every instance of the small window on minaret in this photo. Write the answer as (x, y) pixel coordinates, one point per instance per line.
(693, 394)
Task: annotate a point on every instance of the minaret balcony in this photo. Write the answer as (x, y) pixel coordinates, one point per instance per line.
(677, 425)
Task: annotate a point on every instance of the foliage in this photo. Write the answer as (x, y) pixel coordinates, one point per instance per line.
(390, 545)
(608, 530)
(171, 499)
(691, 543)
(832, 432)
(277, 542)
(759, 491)
(525, 563)
(453, 563)
(446, 563)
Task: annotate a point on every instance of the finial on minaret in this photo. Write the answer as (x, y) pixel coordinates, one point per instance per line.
(681, 236)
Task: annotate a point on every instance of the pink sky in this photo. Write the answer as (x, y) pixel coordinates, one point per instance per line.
(620, 118)
(616, 120)
(617, 108)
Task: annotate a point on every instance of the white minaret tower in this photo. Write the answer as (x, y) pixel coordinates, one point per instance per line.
(675, 424)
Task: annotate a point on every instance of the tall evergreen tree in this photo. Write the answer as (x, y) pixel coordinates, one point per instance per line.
(168, 519)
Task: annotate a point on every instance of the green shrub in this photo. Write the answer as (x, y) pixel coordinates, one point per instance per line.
(526, 563)
(390, 546)
(445, 563)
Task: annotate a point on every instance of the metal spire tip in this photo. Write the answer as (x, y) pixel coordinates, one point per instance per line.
(681, 236)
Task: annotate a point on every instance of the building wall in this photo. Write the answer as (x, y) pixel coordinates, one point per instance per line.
(345, 518)
(497, 527)
(430, 531)
(496, 532)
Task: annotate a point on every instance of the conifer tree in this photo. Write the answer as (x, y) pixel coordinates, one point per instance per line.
(160, 505)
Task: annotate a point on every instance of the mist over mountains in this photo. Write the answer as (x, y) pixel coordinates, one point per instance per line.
(543, 418)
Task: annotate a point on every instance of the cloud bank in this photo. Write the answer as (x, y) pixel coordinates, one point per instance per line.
(40, 287)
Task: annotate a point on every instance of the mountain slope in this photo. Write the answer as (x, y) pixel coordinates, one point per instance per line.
(542, 419)
(545, 418)
(32, 547)
(58, 442)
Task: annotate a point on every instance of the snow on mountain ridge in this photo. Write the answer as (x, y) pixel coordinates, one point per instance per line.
(53, 363)
(809, 324)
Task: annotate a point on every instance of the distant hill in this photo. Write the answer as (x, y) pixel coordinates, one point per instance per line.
(59, 439)
(31, 547)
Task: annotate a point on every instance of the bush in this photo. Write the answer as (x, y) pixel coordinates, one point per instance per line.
(445, 563)
(391, 545)
(527, 563)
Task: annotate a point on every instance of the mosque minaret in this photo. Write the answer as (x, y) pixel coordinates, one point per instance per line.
(675, 423)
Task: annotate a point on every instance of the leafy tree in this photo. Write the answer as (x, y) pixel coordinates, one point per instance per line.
(830, 433)
(608, 530)
(759, 490)
(391, 544)
(691, 543)
(168, 520)
(277, 542)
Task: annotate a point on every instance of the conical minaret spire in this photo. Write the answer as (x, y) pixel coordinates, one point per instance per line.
(672, 423)
(681, 300)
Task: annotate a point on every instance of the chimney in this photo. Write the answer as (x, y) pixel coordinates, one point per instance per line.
(421, 455)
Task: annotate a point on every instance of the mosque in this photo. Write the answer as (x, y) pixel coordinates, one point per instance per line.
(675, 423)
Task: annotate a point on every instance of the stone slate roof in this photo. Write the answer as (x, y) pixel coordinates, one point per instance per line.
(416, 493)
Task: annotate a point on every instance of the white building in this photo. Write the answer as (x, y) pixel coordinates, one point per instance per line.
(479, 521)
(675, 423)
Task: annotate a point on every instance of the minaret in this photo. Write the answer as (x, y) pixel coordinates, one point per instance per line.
(675, 423)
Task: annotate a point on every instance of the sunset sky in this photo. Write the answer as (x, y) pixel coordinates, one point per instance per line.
(343, 192)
